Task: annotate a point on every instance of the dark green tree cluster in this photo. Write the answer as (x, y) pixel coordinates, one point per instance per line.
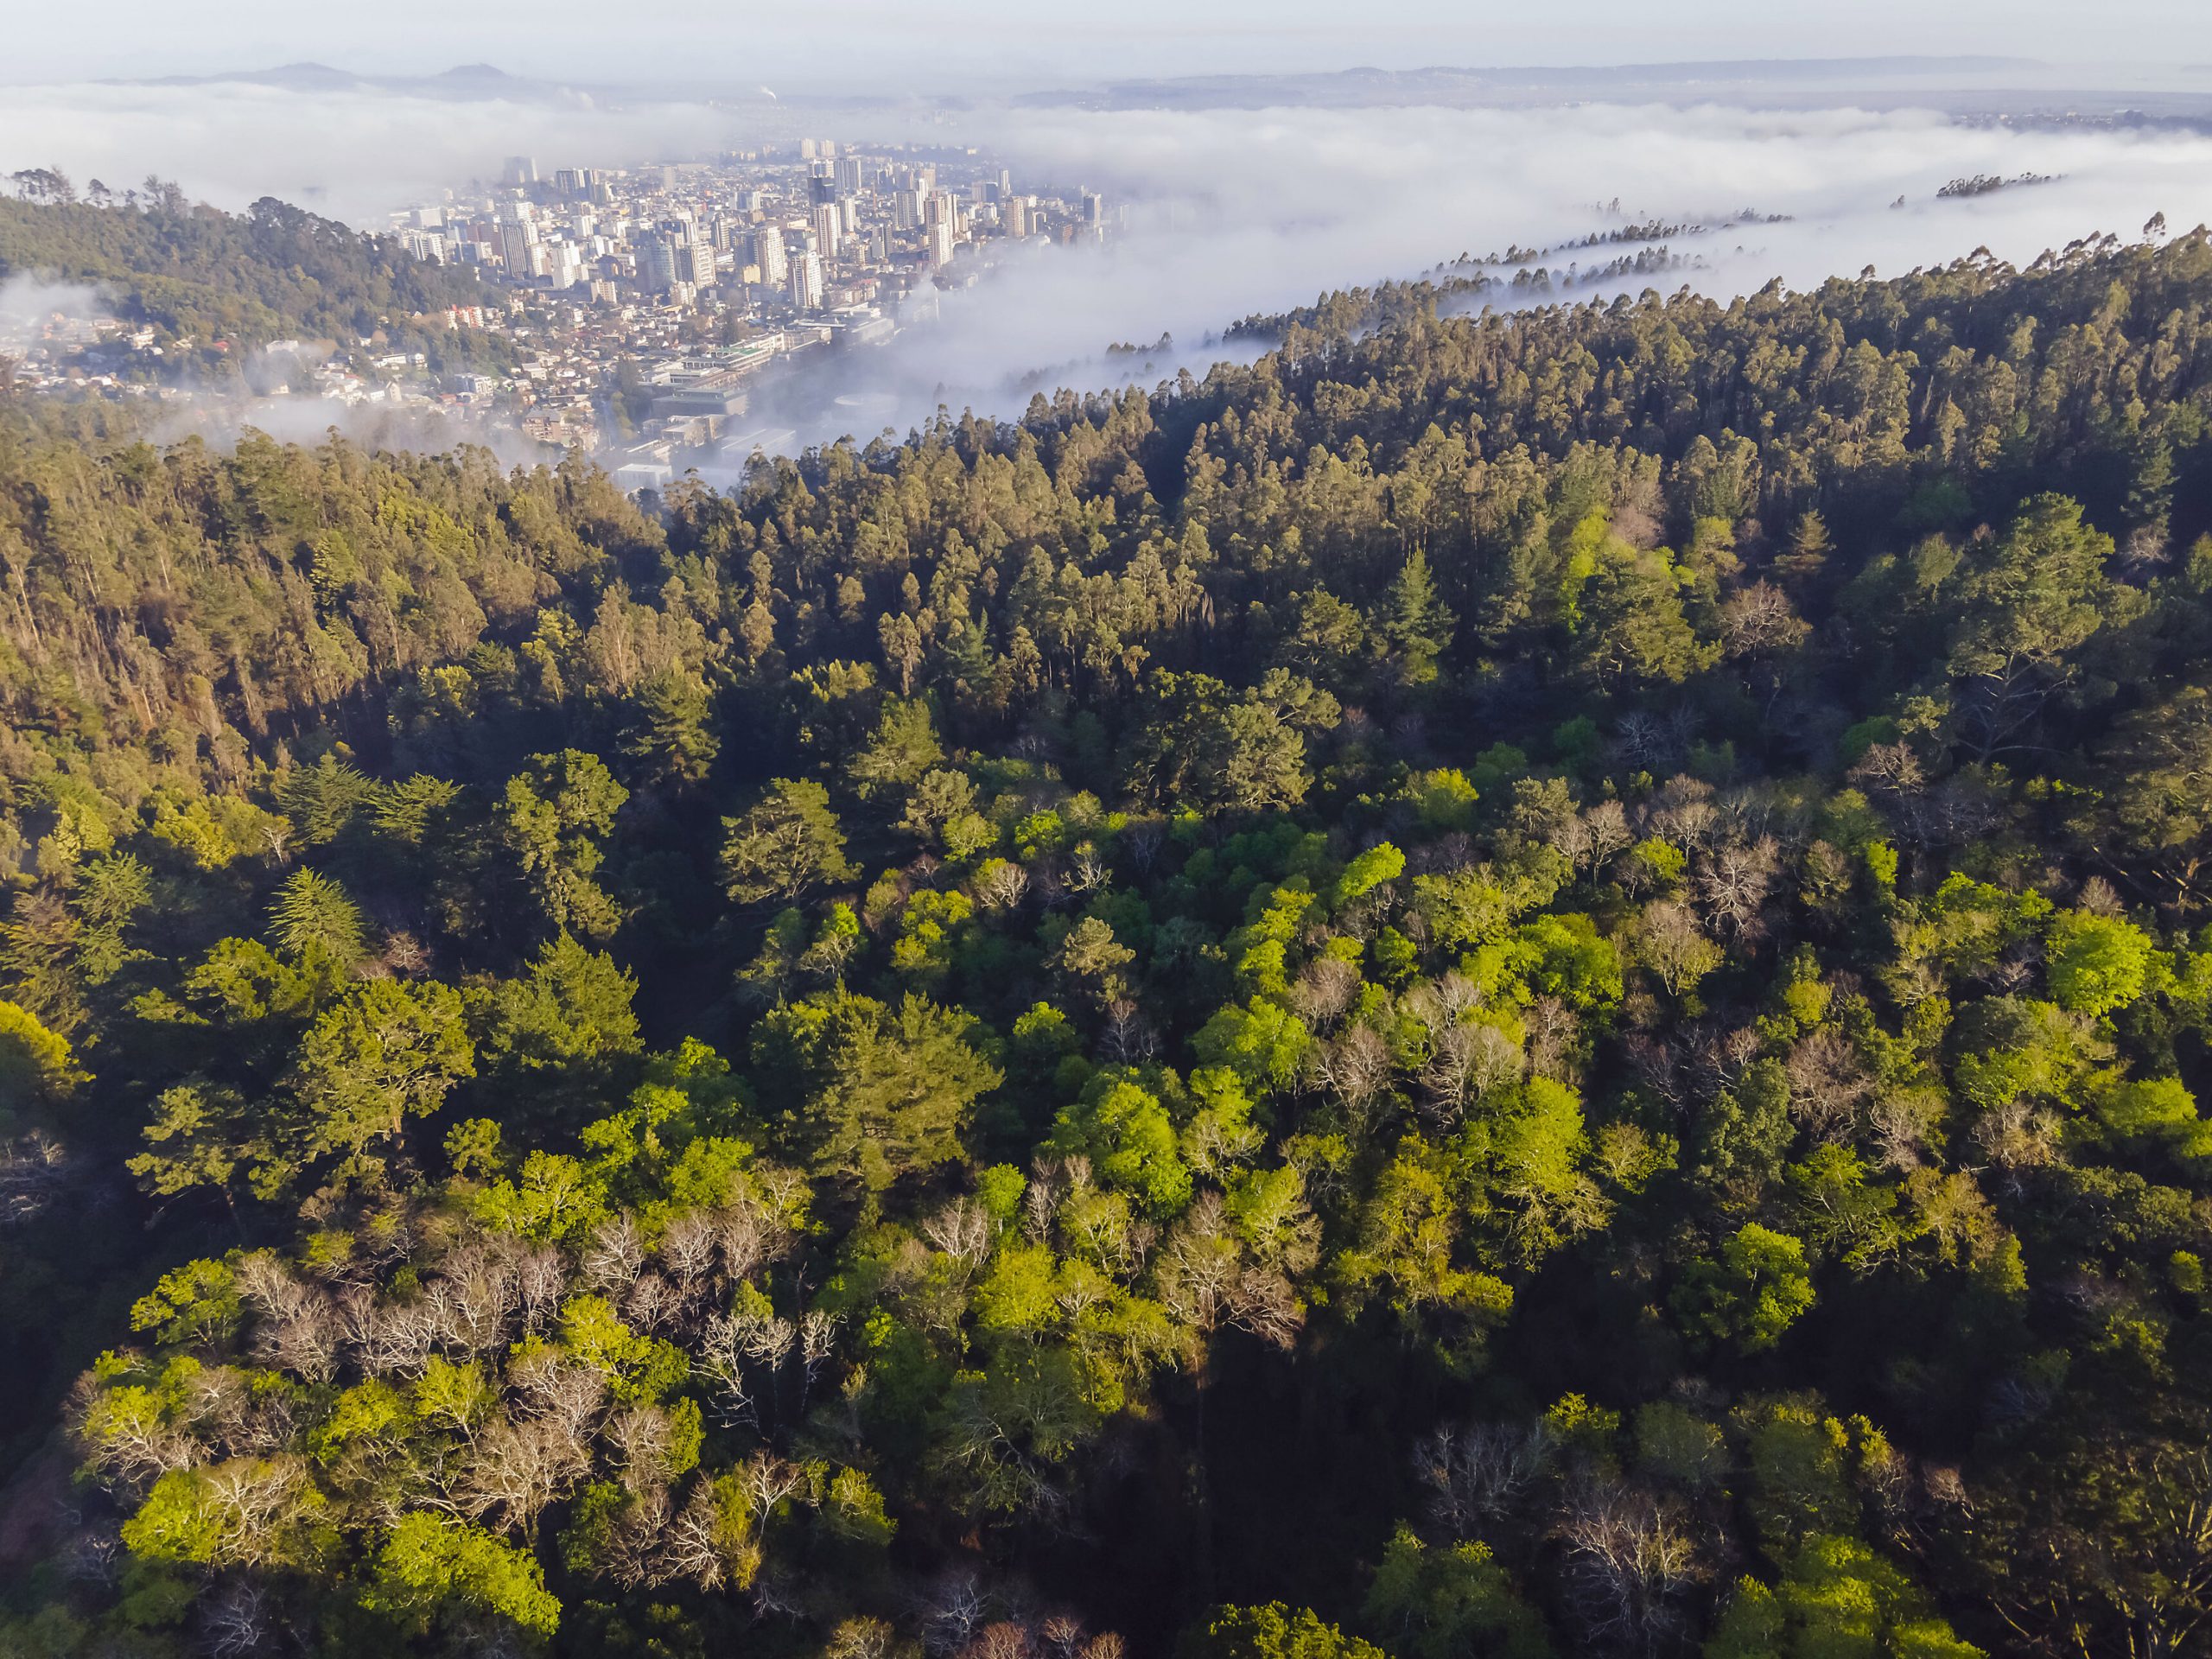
(1522, 985)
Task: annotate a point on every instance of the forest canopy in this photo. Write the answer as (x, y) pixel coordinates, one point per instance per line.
(1527, 983)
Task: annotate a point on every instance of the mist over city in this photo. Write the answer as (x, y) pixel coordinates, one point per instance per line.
(981, 248)
(1242, 830)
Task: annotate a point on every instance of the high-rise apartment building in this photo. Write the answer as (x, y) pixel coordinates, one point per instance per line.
(768, 255)
(516, 238)
(656, 272)
(564, 264)
(805, 284)
(689, 250)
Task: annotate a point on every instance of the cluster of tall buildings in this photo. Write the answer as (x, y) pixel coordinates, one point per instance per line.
(766, 234)
(643, 302)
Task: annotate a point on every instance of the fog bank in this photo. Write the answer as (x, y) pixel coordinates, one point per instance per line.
(1228, 212)
(1233, 212)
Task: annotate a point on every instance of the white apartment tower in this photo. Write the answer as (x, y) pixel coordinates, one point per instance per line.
(768, 254)
(806, 282)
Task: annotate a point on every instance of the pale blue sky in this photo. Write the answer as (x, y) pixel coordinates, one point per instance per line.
(1032, 42)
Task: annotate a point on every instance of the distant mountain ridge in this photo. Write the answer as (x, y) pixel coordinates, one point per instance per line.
(1880, 80)
(1361, 84)
(1984, 85)
(465, 81)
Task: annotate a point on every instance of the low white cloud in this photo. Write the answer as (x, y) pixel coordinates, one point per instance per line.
(353, 153)
(1235, 212)
(29, 301)
(220, 421)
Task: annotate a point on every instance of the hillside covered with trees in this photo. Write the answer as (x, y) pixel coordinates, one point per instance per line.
(215, 287)
(1519, 985)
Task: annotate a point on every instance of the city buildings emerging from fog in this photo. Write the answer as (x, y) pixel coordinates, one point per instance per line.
(642, 301)
(878, 224)
(632, 312)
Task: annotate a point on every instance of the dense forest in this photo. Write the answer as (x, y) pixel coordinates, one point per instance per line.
(216, 286)
(1511, 985)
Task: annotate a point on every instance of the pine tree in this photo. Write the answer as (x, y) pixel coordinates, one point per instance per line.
(1807, 555)
(1414, 622)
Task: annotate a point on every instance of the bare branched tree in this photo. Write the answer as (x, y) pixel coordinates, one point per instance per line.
(1355, 1069)
(1828, 1084)
(1733, 882)
(699, 1547)
(952, 1609)
(962, 1230)
(238, 1617)
(1207, 1279)
(1478, 1473)
(1326, 991)
(1001, 886)
(817, 1335)
(613, 1256)
(1466, 1063)
(1630, 1562)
